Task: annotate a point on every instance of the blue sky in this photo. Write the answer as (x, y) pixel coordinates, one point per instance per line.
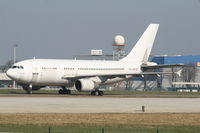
(65, 28)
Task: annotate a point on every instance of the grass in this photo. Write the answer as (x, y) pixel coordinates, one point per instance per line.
(153, 94)
(109, 119)
(96, 129)
(113, 93)
(21, 91)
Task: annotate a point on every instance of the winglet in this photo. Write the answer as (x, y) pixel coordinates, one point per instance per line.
(179, 72)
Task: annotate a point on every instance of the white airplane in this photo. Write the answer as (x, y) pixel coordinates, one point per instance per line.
(85, 75)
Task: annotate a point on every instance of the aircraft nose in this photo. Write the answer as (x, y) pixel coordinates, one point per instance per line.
(8, 73)
(11, 74)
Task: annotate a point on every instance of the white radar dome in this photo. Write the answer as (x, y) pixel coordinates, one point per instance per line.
(119, 40)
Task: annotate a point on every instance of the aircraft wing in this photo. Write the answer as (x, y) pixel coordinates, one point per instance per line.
(74, 77)
(160, 73)
(146, 67)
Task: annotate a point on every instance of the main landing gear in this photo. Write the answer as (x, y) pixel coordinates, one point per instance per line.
(97, 93)
(64, 91)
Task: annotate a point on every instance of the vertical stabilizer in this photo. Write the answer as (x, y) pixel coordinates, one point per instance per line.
(142, 49)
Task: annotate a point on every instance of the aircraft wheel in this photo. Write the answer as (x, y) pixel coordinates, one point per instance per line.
(93, 93)
(68, 92)
(61, 91)
(100, 93)
(27, 89)
(97, 93)
(29, 92)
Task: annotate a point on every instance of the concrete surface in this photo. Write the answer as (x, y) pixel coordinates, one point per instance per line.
(97, 105)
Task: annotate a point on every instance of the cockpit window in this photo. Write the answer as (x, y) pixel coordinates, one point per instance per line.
(14, 66)
(18, 67)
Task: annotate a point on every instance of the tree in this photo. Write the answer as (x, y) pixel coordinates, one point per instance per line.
(5, 67)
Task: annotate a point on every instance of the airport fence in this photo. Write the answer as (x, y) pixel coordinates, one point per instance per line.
(94, 129)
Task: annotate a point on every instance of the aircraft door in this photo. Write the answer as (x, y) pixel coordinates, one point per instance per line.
(35, 75)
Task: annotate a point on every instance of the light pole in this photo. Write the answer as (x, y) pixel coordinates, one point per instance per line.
(14, 61)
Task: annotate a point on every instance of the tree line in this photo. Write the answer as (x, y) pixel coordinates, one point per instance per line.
(4, 68)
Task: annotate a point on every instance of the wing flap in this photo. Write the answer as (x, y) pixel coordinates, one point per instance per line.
(146, 67)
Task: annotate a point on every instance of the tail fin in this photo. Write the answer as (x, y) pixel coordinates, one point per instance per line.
(142, 49)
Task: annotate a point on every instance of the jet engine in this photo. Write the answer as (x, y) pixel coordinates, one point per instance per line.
(86, 84)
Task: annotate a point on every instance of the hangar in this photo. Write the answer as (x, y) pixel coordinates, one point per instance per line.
(165, 59)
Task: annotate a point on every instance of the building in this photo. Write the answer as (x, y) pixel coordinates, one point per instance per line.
(5, 81)
(190, 73)
(191, 59)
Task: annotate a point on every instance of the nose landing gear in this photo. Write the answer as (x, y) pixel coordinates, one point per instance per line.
(28, 89)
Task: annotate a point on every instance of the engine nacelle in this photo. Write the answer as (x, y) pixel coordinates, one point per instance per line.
(85, 84)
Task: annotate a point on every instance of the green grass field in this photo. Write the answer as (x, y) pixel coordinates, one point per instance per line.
(113, 93)
(96, 129)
